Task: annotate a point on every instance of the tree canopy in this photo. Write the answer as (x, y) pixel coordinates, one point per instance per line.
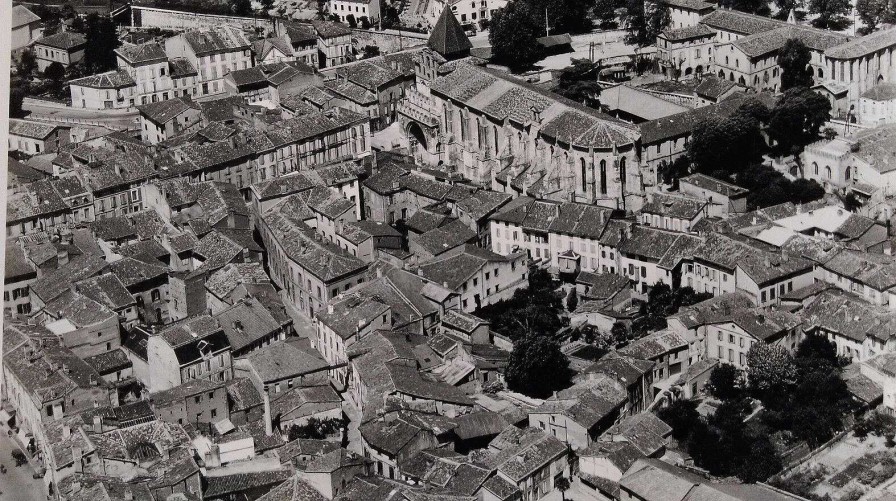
(797, 118)
(875, 12)
(832, 14)
(102, 40)
(759, 7)
(794, 60)
(579, 82)
(662, 301)
(537, 367)
(644, 21)
(512, 34)
(531, 311)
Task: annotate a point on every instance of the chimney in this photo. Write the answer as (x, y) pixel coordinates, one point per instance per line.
(128, 494)
(330, 308)
(66, 431)
(213, 457)
(162, 450)
(97, 424)
(77, 460)
(379, 272)
(267, 414)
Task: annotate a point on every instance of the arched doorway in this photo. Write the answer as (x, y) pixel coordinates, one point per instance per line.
(416, 136)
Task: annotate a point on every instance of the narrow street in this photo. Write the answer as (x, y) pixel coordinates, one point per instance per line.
(354, 417)
(17, 484)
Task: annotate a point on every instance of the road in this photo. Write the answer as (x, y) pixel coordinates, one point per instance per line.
(113, 120)
(17, 484)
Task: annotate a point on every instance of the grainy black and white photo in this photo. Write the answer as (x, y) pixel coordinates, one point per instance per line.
(449, 250)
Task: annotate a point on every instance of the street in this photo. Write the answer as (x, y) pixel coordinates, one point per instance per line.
(16, 484)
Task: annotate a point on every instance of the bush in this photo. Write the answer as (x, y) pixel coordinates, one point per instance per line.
(19, 457)
(316, 429)
(572, 300)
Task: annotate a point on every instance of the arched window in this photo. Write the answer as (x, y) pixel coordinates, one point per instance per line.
(622, 175)
(155, 295)
(815, 168)
(584, 175)
(820, 73)
(479, 137)
(603, 177)
(495, 130)
(726, 60)
(846, 174)
(827, 171)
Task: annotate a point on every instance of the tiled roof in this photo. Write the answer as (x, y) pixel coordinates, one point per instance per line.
(246, 322)
(762, 266)
(344, 316)
(330, 29)
(285, 359)
(713, 87)
(142, 53)
(17, 263)
(876, 147)
(762, 43)
(877, 271)
(52, 284)
(348, 89)
(216, 40)
(698, 5)
(525, 451)
(865, 45)
(30, 128)
(457, 269)
(180, 67)
(370, 74)
(22, 16)
(445, 238)
(109, 361)
(270, 74)
(133, 271)
(263, 47)
(501, 96)
(715, 185)
(294, 489)
(682, 124)
(688, 32)
(243, 394)
(676, 206)
(299, 32)
(236, 484)
(162, 112)
(189, 330)
(740, 22)
(447, 36)
(65, 40)
(106, 289)
(222, 282)
(79, 310)
(114, 79)
(645, 431)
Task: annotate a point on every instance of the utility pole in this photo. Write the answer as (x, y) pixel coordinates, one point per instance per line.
(547, 26)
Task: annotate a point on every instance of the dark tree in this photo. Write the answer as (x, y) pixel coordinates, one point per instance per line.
(562, 485)
(371, 51)
(620, 333)
(579, 82)
(760, 462)
(874, 12)
(352, 22)
(724, 382)
(365, 22)
(317, 429)
(682, 416)
(751, 6)
(797, 118)
(512, 34)
(55, 72)
(321, 10)
(390, 18)
(102, 40)
(241, 7)
(785, 6)
(794, 60)
(27, 63)
(644, 22)
(727, 144)
(531, 311)
(537, 367)
(605, 12)
(832, 14)
(662, 301)
(564, 16)
(670, 173)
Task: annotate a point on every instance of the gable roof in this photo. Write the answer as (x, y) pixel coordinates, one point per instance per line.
(22, 16)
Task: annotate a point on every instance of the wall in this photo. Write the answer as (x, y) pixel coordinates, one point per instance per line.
(150, 17)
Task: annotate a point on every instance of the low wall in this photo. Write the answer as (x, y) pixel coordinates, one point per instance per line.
(153, 17)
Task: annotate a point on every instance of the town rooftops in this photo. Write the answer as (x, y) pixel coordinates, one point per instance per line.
(17, 263)
(66, 40)
(109, 362)
(216, 40)
(645, 431)
(714, 88)
(330, 29)
(462, 321)
(862, 46)
(875, 147)
(186, 390)
(143, 53)
(454, 270)
(261, 48)
(503, 97)
(636, 102)
(222, 282)
(520, 452)
(115, 79)
(246, 322)
(269, 74)
(850, 316)
(189, 330)
(447, 36)
(762, 266)
(162, 112)
(52, 284)
(106, 289)
(682, 124)
(877, 271)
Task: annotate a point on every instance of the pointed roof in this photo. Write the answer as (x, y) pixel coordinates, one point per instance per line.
(448, 37)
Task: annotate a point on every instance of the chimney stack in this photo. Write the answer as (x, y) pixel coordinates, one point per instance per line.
(267, 414)
(66, 431)
(97, 424)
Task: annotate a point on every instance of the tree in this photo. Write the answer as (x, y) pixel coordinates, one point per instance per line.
(662, 301)
(531, 311)
(620, 333)
(562, 485)
(751, 6)
(563, 16)
(579, 82)
(874, 12)
(321, 13)
(102, 40)
(55, 72)
(27, 63)
(537, 367)
(725, 382)
(785, 6)
(797, 117)
(317, 429)
(605, 12)
(832, 14)
(760, 462)
(390, 18)
(352, 22)
(644, 22)
(794, 60)
(241, 7)
(371, 51)
(727, 144)
(682, 416)
(512, 34)
(572, 300)
(365, 23)
(769, 368)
